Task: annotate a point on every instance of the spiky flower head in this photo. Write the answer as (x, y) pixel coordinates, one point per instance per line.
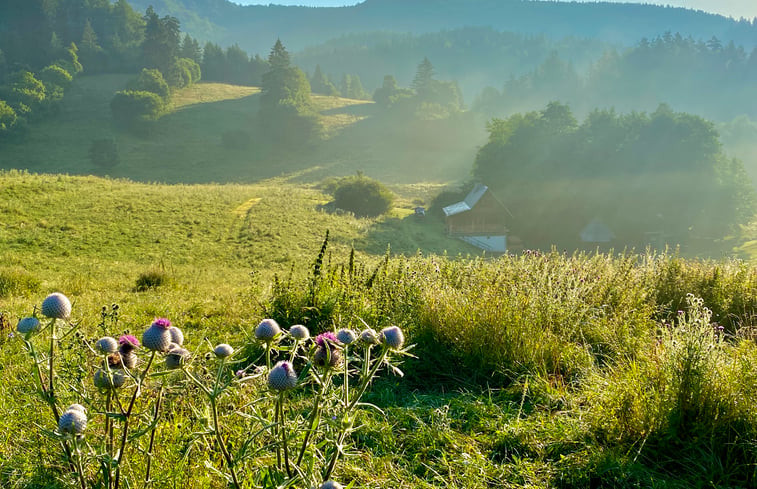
(346, 336)
(267, 330)
(327, 338)
(299, 332)
(129, 360)
(107, 345)
(392, 337)
(115, 360)
(331, 485)
(369, 337)
(77, 407)
(56, 305)
(127, 344)
(282, 377)
(223, 350)
(72, 422)
(103, 381)
(157, 337)
(176, 335)
(28, 325)
(176, 357)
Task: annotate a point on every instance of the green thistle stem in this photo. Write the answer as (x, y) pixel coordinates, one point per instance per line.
(314, 416)
(152, 435)
(280, 405)
(127, 416)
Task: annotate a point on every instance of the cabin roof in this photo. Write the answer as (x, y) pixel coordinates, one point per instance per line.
(468, 203)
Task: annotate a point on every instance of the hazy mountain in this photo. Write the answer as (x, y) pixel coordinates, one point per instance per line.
(255, 27)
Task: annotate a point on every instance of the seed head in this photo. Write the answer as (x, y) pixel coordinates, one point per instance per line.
(392, 337)
(346, 336)
(176, 335)
(267, 330)
(299, 332)
(28, 325)
(223, 350)
(282, 377)
(369, 337)
(129, 360)
(107, 345)
(176, 358)
(116, 380)
(156, 337)
(331, 485)
(57, 306)
(72, 422)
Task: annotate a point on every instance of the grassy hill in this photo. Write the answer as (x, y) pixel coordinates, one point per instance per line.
(187, 144)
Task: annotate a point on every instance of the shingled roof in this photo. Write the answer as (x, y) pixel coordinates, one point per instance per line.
(468, 203)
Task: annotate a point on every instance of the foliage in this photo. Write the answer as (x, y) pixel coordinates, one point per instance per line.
(184, 73)
(151, 80)
(363, 196)
(134, 107)
(665, 171)
(151, 279)
(8, 117)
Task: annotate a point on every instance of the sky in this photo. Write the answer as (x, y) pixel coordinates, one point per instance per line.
(733, 8)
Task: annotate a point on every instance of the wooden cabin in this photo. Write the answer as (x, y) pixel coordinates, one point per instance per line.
(479, 219)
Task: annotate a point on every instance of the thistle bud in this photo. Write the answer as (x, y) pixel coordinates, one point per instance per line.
(331, 485)
(299, 332)
(28, 325)
(103, 381)
(176, 335)
(346, 336)
(392, 337)
(72, 422)
(267, 330)
(223, 350)
(57, 306)
(157, 337)
(369, 337)
(176, 358)
(107, 345)
(282, 377)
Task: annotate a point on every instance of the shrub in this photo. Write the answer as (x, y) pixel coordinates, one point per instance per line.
(151, 80)
(129, 106)
(7, 117)
(151, 279)
(55, 76)
(184, 73)
(104, 153)
(363, 196)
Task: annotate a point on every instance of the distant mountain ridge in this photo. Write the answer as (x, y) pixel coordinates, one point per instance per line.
(256, 27)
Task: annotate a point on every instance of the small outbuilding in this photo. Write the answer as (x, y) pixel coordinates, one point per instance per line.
(596, 232)
(479, 219)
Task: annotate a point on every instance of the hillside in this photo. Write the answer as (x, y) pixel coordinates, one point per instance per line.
(256, 27)
(187, 145)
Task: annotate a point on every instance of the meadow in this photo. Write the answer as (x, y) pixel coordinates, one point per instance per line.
(541, 369)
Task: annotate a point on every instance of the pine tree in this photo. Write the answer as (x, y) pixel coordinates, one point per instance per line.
(423, 77)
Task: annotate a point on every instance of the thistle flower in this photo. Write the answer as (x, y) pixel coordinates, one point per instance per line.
(223, 350)
(77, 407)
(107, 345)
(369, 337)
(56, 306)
(392, 337)
(176, 357)
(157, 337)
(299, 332)
(127, 344)
(267, 330)
(72, 422)
(282, 377)
(327, 338)
(346, 336)
(28, 325)
(116, 379)
(331, 485)
(176, 335)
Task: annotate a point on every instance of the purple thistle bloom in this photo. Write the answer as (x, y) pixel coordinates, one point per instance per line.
(326, 338)
(162, 323)
(127, 338)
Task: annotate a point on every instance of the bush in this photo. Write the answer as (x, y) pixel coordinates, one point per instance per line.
(151, 81)
(7, 117)
(363, 196)
(55, 76)
(104, 153)
(129, 106)
(151, 279)
(184, 73)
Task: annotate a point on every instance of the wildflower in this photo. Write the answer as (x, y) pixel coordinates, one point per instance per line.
(327, 354)
(127, 343)
(392, 337)
(103, 381)
(282, 377)
(176, 335)
(72, 422)
(267, 330)
(299, 332)
(28, 325)
(346, 336)
(107, 345)
(157, 337)
(369, 337)
(176, 357)
(223, 350)
(57, 306)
